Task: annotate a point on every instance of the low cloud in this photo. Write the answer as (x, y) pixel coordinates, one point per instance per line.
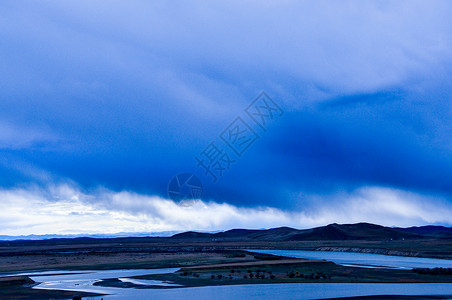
(131, 93)
(64, 209)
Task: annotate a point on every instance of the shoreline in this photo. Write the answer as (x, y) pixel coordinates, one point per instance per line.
(264, 269)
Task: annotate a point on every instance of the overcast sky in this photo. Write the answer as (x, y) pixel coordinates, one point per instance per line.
(102, 103)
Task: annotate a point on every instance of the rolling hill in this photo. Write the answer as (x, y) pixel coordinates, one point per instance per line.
(359, 231)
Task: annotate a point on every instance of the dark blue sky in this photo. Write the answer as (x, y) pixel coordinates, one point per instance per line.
(110, 98)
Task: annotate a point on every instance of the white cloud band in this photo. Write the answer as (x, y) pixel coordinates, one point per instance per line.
(66, 210)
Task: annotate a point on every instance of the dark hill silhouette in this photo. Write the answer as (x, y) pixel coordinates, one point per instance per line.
(429, 230)
(192, 235)
(332, 232)
(359, 231)
(280, 233)
(235, 232)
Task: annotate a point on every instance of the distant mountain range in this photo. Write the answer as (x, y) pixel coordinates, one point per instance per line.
(37, 237)
(332, 232)
(359, 231)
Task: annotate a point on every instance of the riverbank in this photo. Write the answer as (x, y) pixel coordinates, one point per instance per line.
(210, 263)
(159, 252)
(21, 287)
(222, 268)
(288, 271)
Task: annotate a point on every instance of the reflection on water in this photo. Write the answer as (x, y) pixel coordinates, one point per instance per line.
(84, 280)
(364, 259)
(284, 291)
(148, 282)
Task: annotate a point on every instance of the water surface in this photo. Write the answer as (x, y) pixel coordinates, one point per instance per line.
(84, 280)
(364, 259)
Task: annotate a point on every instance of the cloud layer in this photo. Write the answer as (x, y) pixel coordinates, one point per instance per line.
(123, 97)
(56, 211)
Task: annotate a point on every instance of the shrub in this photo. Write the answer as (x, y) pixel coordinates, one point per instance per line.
(433, 271)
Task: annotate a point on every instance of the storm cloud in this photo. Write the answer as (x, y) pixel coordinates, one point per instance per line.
(120, 97)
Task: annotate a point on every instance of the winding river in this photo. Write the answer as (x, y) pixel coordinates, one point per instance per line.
(364, 259)
(84, 280)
